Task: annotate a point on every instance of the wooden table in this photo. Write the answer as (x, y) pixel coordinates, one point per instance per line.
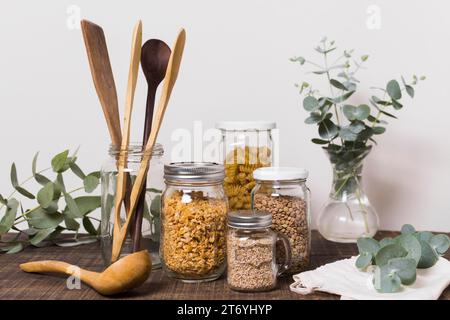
(16, 284)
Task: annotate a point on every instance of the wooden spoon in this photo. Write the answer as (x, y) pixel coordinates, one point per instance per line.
(97, 52)
(155, 55)
(124, 275)
(169, 82)
(121, 176)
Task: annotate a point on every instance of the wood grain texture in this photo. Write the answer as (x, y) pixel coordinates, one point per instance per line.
(102, 75)
(16, 284)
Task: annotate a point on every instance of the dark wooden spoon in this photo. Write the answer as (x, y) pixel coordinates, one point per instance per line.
(155, 55)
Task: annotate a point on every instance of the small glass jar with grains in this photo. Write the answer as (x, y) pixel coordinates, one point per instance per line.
(282, 191)
(246, 146)
(251, 252)
(193, 221)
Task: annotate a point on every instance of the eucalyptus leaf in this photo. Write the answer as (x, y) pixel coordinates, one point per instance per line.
(85, 204)
(412, 245)
(368, 245)
(90, 183)
(45, 195)
(15, 248)
(335, 83)
(41, 235)
(71, 224)
(72, 206)
(327, 129)
(77, 170)
(319, 141)
(59, 161)
(40, 219)
(34, 163)
(155, 206)
(344, 97)
(440, 243)
(310, 103)
(89, 227)
(429, 256)
(364, 260)
(407, 229)
(405, 268)
(397, 105)
(10, 215)
(393, 90)
(386, 281)
(74, 242)
(42, 180)
(378, 130)
(388, 252)
(25, 192)
(13, 175)
(409, 90)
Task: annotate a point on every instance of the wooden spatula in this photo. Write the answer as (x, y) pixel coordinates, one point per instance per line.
(121, 177)
(97, 52)
(169, 82)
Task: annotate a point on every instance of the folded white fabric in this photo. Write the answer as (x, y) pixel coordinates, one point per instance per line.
(344, 279)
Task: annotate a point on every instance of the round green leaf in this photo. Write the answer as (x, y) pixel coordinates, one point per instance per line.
(45, 195)
(327, 129)
(412, 245)
(407, 228)
(310, 103)
(386, 241)
(405, 268)
(393, 90)
(90, 183)
(368, 245)
(429, 256)
(349, 111)
(85, 204)
(313, 118)
(386, 281)
(364, 260)
(424, 235)
(10, 215)
(40, 219)
(362, 112)
(388, 252)
(440, 243)
(59, 161)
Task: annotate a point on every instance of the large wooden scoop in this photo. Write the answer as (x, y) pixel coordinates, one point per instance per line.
(123, 275)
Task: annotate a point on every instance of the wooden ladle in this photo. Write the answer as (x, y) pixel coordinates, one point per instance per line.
(155, 55)
(123, 275)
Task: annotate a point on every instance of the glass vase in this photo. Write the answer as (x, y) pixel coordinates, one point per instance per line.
(347, 215)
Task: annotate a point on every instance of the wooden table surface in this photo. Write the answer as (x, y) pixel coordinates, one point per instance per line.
(15, 284)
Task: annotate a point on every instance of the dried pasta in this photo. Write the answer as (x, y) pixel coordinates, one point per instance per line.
(239, 166)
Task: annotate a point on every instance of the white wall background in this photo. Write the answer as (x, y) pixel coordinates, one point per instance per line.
(236, 67)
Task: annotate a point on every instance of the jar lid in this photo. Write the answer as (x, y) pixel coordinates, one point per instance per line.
(280, 173)
(248, 219)
(245, 125)
(194, 171)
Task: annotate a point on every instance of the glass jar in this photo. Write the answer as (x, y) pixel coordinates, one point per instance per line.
(251, 252)
(246, 145)
(152, 206)
(193, 225)
(282, 192)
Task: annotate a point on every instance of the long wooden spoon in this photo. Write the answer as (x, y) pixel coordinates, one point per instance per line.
(169, 82)
(97, 52)
(155, 55)
(132, 79)
(124, 275)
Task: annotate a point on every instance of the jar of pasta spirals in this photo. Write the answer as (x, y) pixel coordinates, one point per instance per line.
(246, 146)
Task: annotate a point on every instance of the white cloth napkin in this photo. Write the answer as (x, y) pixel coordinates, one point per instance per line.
(344, 279)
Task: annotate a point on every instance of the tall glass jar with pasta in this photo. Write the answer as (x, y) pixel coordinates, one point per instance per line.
(246, 146)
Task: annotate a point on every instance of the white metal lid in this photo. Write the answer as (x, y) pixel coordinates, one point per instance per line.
(280, 173)
(246, 125)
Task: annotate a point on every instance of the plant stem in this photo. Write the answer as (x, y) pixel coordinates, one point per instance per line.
(39, 206)
(22, 184)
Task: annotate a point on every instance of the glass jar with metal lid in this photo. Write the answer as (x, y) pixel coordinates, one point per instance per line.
(251, 251)
(194, 213)
(282, 191)
(246, 145)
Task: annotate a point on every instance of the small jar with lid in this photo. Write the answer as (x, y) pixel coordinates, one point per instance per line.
(282, 191)
(193, 221)
(246, 145)
(251, 252)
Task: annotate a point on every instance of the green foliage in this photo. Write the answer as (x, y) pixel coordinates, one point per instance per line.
(347, 131)
(50, 216)
(396, 259)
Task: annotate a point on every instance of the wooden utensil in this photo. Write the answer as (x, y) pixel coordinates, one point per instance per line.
(97, 52)
(169, 82)
(121, 177)
(123, 275)
(155, 55)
